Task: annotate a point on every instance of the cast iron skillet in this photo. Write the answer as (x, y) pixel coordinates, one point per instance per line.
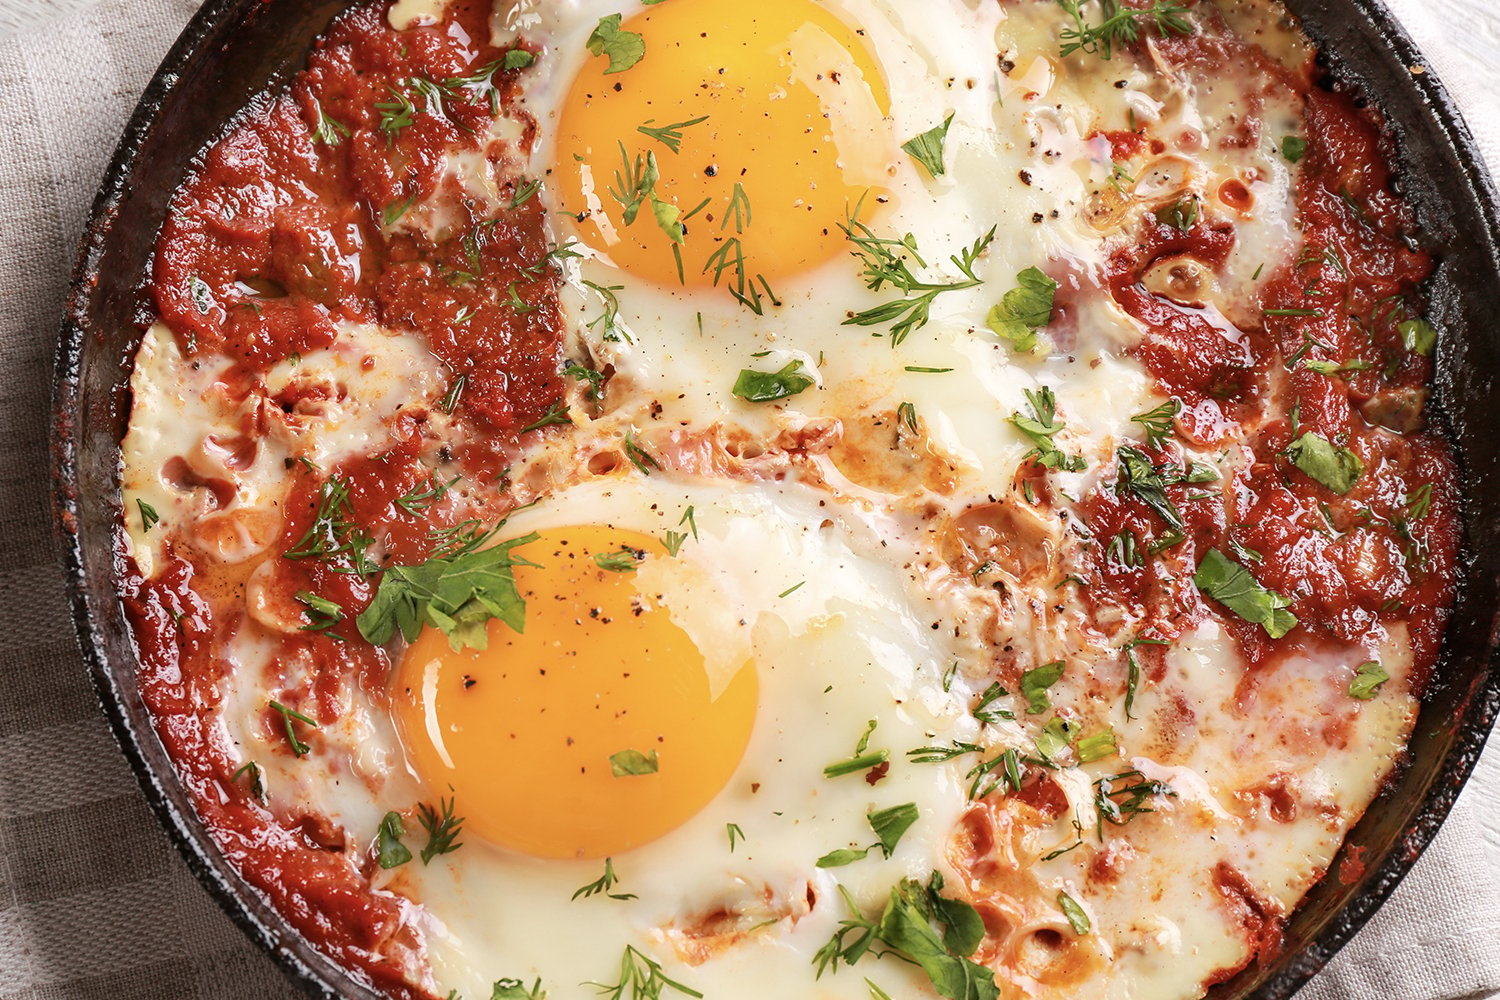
(234, 48)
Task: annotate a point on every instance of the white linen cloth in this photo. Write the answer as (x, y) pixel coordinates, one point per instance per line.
(94, 903)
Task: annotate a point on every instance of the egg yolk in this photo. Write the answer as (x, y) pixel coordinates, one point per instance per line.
(528, 735)
(794, 132)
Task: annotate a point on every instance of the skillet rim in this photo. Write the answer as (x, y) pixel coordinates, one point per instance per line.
(319, 976)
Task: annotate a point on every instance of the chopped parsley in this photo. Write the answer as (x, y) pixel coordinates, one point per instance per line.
(1041, 427)
(920, 925)
(514, 989)
(457, 594)
(927, 148)
(624, 48)
(1293, 148)
(1231, 585)
(1336, 468)
(1367, 680)
(767, 387)
(1024, 310)
(633, 764)
(890, 825)
(389, 851)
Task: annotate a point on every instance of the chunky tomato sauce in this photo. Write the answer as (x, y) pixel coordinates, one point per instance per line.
(1350, 563)
(288, 225)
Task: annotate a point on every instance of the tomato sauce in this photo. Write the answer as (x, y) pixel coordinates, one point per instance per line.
(296, 220)
(1351, 564)
(291, 223)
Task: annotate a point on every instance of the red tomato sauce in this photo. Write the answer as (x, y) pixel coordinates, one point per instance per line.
(286, 226)
(1350, 564)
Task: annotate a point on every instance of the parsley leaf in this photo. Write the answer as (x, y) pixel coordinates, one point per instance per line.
(1336, 468)
(633, 763)
(624, 48)
(1418, 335)
(766, 387)
(906, 928)
(1232, 586)
(1294, 148)
(1077, 918)
(1159, 423)
(1138, 477)
(1024, 309)
(514, 989)
(390, 852)
(457, 594)
(890, 825)
(927, 148)
(1041, 427)
(1367, 680)
(1034, 685)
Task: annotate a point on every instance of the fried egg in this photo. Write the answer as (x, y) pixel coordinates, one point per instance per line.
(777, 641)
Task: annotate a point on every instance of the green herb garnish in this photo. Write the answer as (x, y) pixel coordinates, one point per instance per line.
(1024, 310)
(927, 148)
(766, 387)
(1232, 586)
(633, 764)
(1336, 468)
(624, 48)
(458, 594)
(390, 852)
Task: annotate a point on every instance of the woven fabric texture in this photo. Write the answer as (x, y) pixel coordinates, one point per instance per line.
(94, 902)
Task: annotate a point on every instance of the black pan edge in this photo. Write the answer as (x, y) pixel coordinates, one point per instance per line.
(1362, 38)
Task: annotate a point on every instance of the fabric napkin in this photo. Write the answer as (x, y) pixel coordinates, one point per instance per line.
(94, 903)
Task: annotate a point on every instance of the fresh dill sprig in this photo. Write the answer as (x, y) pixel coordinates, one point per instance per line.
(1118, 25)
(889, 262)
